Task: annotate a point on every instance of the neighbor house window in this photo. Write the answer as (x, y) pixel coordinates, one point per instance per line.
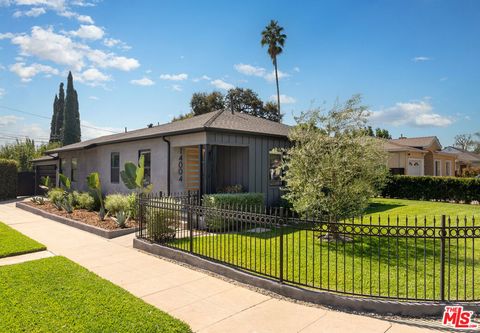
(275, 170)
(437, 168)
(115, 168)
(73, 170)
(448, 168)
(63, 164)
(147, 164)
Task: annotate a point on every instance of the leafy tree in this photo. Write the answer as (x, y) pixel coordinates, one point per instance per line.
(202, 103)
(53, 123)
(464, 141)
(244, 101)
(24, 151)
(56, 125)
(382, 133)
(71, 126)
(274, 38)
(270, 112)
(334, 167)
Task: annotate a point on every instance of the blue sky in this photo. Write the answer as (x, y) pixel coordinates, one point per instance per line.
(414, 62)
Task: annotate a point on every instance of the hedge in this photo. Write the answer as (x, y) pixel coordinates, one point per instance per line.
(215, 221)
(8, 179)
(433, 188)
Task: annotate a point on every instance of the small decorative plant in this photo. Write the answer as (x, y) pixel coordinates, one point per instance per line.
(134, 177)
(121, 218)
(94, 184)
(38, 200)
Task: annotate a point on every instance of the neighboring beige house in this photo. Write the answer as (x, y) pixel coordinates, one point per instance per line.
(464, 158)
(421, 156)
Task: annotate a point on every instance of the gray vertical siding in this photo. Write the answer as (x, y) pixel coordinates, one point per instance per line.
(257, 165)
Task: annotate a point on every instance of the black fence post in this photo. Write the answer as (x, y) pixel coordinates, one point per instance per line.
(281, 244)
(190, 220)
(442, 259)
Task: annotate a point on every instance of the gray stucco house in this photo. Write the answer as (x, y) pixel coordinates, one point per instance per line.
(205, 153)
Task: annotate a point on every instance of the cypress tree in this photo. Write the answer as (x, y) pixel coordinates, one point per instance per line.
(71, 121)
(60, 113)
(53, 123)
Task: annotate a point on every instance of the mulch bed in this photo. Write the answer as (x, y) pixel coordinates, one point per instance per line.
(84, 216)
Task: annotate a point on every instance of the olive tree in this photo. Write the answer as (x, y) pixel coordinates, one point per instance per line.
(333, 167)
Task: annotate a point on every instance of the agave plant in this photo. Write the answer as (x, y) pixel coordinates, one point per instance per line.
(133, 177)
(94, 184)
(121, 218)
(38, 200)
(67, 204)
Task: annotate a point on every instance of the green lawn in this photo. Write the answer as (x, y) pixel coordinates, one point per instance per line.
(13, 242)
(57, 295)
(404, 267)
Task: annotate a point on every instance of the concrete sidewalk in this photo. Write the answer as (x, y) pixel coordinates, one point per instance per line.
(206, 303)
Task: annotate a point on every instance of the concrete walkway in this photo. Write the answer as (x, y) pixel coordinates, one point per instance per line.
(206, 303)
(25, 257)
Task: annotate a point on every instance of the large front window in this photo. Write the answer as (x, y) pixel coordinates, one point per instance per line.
(275, 170)
(448, 168)
(73, 169)
(437, 168)
(115, 168)
(147, 164)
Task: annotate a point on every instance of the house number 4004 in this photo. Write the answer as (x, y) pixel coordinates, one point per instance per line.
(180, 168)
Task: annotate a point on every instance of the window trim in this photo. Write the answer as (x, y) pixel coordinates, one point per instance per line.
(72, 178)
(435, 168)
(117, 168)
(140, 153)
(448, 168)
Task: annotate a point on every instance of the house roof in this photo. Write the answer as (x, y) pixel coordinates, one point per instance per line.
(462, 155)
(44, 158)
(424, 142)
(221, 120)
(392, 147)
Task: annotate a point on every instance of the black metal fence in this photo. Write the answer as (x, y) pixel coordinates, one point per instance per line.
(423, 259)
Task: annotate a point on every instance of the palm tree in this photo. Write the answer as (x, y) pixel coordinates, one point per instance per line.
(275, 39)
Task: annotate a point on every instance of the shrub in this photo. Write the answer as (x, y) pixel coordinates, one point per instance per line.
(161, 221)
(55, 195)
(433, 188)
(83, 201)
(132, 205)
(115, 203)
(214, 220)
(8, 179)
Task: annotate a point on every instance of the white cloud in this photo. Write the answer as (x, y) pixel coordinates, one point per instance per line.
(144, 81)
(84, 19)
(296, 69)
(203, 77)
(174, 77)
(26, 73)
(284, 99)
(7, 35)
(111, 60)
(220, 84)
(53, 4)
(415, 113)
(2, 92)
(88, 32)
(34, 12)
(93, 98)
(91, 131)
(176, 87)
(92, 77)
(250, 70)
(112, 42)
(47, 45)
(421, 59)
(9, 120)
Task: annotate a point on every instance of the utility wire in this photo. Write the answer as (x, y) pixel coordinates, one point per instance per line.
(48, 118)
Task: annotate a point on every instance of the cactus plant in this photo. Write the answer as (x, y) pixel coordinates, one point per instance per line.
(94, 184)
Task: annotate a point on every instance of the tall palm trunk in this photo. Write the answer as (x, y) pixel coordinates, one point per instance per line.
(278, 88)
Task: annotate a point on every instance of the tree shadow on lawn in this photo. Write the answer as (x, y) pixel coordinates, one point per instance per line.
(376, 207)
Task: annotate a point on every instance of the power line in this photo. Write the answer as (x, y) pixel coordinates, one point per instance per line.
(48, 118)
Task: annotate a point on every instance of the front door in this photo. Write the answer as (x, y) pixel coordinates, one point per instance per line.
(192, 168)
(415, 167)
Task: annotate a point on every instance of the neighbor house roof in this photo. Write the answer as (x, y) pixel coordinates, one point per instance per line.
(218, 120)
(462, 155)
(393, 147)
(424, 142)
(44, 158)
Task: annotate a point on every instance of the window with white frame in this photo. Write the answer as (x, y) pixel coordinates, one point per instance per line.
(437, 168)
(448, 168)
